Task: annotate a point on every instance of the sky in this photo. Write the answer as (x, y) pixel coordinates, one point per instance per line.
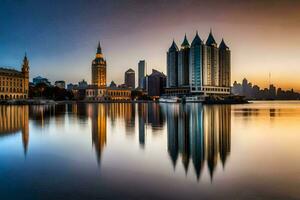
(61, 36)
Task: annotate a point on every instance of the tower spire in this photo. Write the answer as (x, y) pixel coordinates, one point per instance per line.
(99, 50)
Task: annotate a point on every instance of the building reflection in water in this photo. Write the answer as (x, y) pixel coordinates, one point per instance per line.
(198, 133)
(14, 119)
(142, 118)
(97, 113)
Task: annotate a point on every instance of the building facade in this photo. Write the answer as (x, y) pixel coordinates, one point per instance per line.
(156, 84)
(209, 68)
(99, 69)
(196, 63)
(141, 73)
(172, 66)
(224, 65)
(15, 84)
(110, 93)
(183, 63)
(130, 78)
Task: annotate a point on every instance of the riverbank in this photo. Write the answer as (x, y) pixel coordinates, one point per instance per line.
(211, 100)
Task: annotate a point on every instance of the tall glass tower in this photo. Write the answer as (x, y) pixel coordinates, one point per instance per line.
(172, 66)
(183, 63)
(196, 64)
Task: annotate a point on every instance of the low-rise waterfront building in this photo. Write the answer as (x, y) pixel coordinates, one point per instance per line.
(95, 93)
(14, 84)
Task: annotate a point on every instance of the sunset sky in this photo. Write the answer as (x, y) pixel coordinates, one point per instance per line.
(61, 36)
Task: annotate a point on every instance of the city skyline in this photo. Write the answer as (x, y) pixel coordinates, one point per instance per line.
(65, 41)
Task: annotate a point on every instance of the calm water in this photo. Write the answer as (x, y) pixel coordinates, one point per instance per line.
(150, 151)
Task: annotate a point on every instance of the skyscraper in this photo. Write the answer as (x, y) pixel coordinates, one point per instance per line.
(208, 69)
(99, 69)
(141, 73)
(196, 63)
(212, 65)
(183, 63)
(224, 65)
(172, 66)
(130, 78)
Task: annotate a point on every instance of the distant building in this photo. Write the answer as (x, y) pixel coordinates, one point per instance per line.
(60, 84)
(141, 73)
(156, 84)
(15, 84)
(71, 86)
(172, 66)
(130, 78)
(255, 93)
(183, 63)
(99, 69)
(112, 84)
(272, 91)
(39, 80)
(110, 93)
(82, 84)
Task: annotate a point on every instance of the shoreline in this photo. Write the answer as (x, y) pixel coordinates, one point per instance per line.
(53, 102)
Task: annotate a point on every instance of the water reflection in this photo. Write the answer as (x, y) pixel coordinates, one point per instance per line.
(14, 119)
(196, 134)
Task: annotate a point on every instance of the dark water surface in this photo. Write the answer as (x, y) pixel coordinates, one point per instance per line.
(150, 151)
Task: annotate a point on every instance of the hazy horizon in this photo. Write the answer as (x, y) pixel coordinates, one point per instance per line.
(60, 38)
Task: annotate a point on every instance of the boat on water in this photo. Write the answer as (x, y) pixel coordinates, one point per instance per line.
(195, 99)
(169, 100)
(191, 99)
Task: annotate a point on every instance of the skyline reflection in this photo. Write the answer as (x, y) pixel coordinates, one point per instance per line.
(199, 133)
(196, 134)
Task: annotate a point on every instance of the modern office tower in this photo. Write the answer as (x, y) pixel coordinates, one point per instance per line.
(130, 78)
(224, 65)
(141, 73)
(208, 69)
(99, 69)
(183, 63)
(196, 64)
(172, 66)
(14, 84)
(212, 66)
